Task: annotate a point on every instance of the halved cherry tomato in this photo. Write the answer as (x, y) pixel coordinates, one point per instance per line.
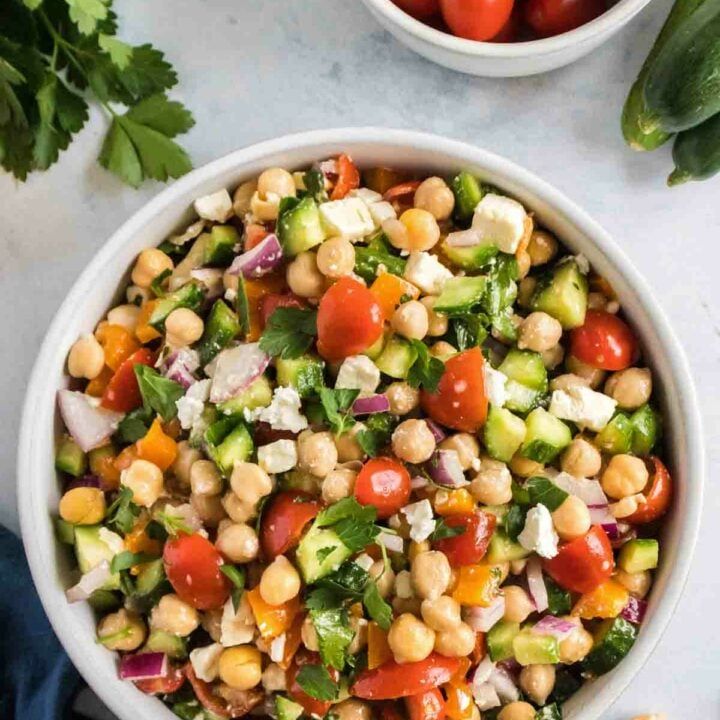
(192, 565)
(254, 235)
(122, 393)
(165, 685)
(428, 705)
(394, 680)
(604, 341)
(311, 706)
(349, 320)
(553, 17)
(402, 192)
(348, 177)
(284, 521)
(582, 564)
(270, 303)
(469, 547)
(383, 483)
(460, 401)
(420, 9)
(658, 496)
(476, 19)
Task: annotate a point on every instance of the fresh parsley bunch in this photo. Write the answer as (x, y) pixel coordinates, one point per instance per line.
(56, 56)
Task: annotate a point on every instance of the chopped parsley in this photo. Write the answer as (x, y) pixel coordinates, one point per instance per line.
(337, 405)
(289, 332)
(426, 370)
(158, 393)
(315, 680)
(334, 635)
(236, 575)
(542, 491)
(126, 559)
(123, 511)
(443, 531)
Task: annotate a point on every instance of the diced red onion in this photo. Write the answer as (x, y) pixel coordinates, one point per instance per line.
(88, 480)
(90, 582)
(481, 619)
(143, 666)
(89, 424)
(437, 432)
(589, 491)
(235, 368)
(180, 365)
(483, 671)
(536, 584)
(611, 529)
(258, 261)
(393, 543)
(212, 279)
(329, 167)
(512, 666)
(419, 482)
(463, 238)
(551, 625)
(485, 696)
(445, 469)
(370, 405)
(626, 533)
(634, 611)
(504, 685)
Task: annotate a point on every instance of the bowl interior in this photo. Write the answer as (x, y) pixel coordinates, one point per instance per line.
(100, 284)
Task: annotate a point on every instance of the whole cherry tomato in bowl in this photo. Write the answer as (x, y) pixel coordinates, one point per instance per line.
(604, 341)
(419, 9)
(476, 19)
(553, 17)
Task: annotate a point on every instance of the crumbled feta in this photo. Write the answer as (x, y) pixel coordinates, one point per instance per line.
(364, 561)
(283, 413)
(495, 386)
(583, 406)
(426, 271)
(500, 220)
(277, 648)
(367, 195)
(391, 542)
(205, 661)
(539, 535)
(112, 540)
(237, 628)
(190, 406)
(230, 295)
(420, 518)
(583, 263)
(279, 456)
(382, 211)
(216, 207)
(403, 585)
(348, 217)
(358, 372)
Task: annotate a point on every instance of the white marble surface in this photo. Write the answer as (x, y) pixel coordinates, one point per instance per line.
(254, 70)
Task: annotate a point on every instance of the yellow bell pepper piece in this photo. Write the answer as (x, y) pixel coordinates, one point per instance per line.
(378, 649)
(605, 601)
(272, 620)
(476, 585)
(157, 447)
(453, 502)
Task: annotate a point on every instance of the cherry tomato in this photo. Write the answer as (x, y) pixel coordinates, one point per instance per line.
(429, 705)
(476, 19)
(509, 31)
(460, 401)
(317, 708)
(270, 303)
(284, 520)
(254, 235)
(165, 685)
(192, 565)
(469, 547)
(383, 483)
(394, 680)
(658, 496)
(604, 341)
(402, 191)
(349, 320)
(420, 9)
(583, 564)
(553, 17)
(122, 393)
(388, 710)
(348, 178)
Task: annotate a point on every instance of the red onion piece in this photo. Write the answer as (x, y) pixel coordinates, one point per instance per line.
(634, 611)
(589, 491)
(437, 432)
(89, 424)
(90, 582)
(84, 481)
(504, 685)
(235, 368)
(536, 584)
(485, 696)
(370, 405)
(483, 671)
(463, 238)
(419, 482)
(626, 533)
(180, 365)
(258, 261)
(611, 529)
(329, 167)
(143, 666)
(445, 469)
(481, 619)
(551, 625)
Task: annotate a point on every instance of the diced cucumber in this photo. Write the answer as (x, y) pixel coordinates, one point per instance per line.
(563, 294)
(304, 373)
(70, 459)
(639, 555)
(459, 294)
(500, 640)
(475, 257)
(396, 358)
(546, 436)
(64, 531)
(300, 480)
(103, 601)
(613, 640)
(373, 352)
(220, 328)
(503, 434)
(503, 549)
(286, 709)
(237, 446)
(188, 296)
(646, 430)
(468, 193)
(172, 645)
(616, 437)
(257, 394)
(219, 247)
(299, 227)
(532, 649)
(320, 552)
(150, 577)
(91, 550)
(527, 379)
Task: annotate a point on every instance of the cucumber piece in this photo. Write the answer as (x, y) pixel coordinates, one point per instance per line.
(396, 359)
(696, 152)
(220, 328)
(172, 645)
(500, 640)
(300, 480)
(70, 459)
(304, 374)
(563, 294)
(546, 436)
(503, 549)
(299, 227)
(468, 193)
(286, 709)
(470, 258)
(220, 245)
(64, 531)
(188, 296)
(319, 553)
(532, 649)
(103, 601)
(527, 379)
(646, 430)
(91, 550)
(373, 352)
(639, 555)
(459, 294)
(257, 394)
(150, 577)
(617, 436)
(613, 640)
(503, 434)
(237, 446)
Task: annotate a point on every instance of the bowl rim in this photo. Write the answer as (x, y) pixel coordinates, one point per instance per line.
(614, 17)
(32, 500)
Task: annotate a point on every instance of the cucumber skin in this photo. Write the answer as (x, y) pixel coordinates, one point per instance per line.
(696, 153)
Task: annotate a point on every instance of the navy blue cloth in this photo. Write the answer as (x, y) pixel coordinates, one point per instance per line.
(37, 679)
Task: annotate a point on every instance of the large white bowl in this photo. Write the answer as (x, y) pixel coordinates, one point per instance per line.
(100, 283)
(502, 59)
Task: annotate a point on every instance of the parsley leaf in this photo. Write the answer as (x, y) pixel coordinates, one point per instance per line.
(87, 13)
(443, 530)
(122, 512)
(120, 53)
(377, 433)
(173, 524)
(126, 559)
(323, 598)
(514, 521)
(334, 635)
(468, 330)
(559, 600)
(542, 491)
(353, 523)
(148, 72)
(314, 182)
(242, 306)
(377, 608)
(426, 370)
(158, 392)
(168, 117)
(135, 425)
(501, 288)
(324, 552)
(549, 712)
(376, 253)
(289, 332)
(348, 580)
(346, 508)
(315, 680)
(337, 405)
(236, 575)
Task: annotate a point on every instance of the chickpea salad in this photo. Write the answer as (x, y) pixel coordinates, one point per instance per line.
(362, 445)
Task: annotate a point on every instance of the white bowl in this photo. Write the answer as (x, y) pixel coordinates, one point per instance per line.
(502, 59)
(100, 284)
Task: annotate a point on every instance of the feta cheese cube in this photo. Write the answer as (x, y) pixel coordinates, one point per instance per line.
(190, 406)
(495, 386)
(539, 535)
(216, 207)
(111, 539)
(279, 456)
(500, 221)
(426, 272)
(583, 406)
(205, 661)
(420, 518)
(364, 561)
(277, 648)
(382, 211)
(367, 195)
(283, 413)
(348, 217)
(237, 628)
(358, 372)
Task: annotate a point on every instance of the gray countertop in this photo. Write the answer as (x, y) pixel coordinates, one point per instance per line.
(254, 70)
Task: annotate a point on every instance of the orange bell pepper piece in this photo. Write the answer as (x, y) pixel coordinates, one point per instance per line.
(605, 601)
(388, 290)
(102, 464)
(476, 585)
(480, 649)
(454, 502)
(117, 342)
(96, 387)
(145, 332)
(157, 447)
(460, 703)
(256, 290)
(378, 649)
(293, 638)
(348, 177)
(272, 620)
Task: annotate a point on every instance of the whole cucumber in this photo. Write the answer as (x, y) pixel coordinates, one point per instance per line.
(696, 152)
(635, 103)
(682, 88)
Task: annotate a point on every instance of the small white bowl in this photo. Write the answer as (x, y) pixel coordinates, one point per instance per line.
(103, 279)
(502, 59)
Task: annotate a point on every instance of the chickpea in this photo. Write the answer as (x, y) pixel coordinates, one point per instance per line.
(526, 288)
(637, 584)
(240, 667)
(173, 615)
(465, 445)
(347, 445)
(493, 484)
(437, 322)
(238, 542)
(209, 509)
(338, 484)
(145, 479)
(238, 510)
(423, 231)
(443, 350)
(384, 577)
(522, 258)
(250, 482)
(82, 506)
(436, 197)
(276, 181)
(242, 197)
(150, 263)
(211, 622)
(403, 585)
(410, 605)
(553, 356)
(280, 582)
(517, 711)
(412, 441)
(631, 388)
(205, 478)
(397, 233)
(303, 276)
(336, 257)
(430, 574)
(273, 678)
(264, 209)
(525, 467)
(593, 376)
(581, 459)
(317, 453)
(539, 332)
(402, 397)
(137, 295)
(441, 614)
(183, 327)
(456, 642)
(575, 646)
(122, 630)
(572, 518)
(86, 358)
(352, 709)
(416, 548)
(537, 682)
(124, 315)
(542, 247)
(518, 604)
(186, 457)
(567, 381)
(625, 475)
(410, 639)
(411, 320)
(308, 634)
